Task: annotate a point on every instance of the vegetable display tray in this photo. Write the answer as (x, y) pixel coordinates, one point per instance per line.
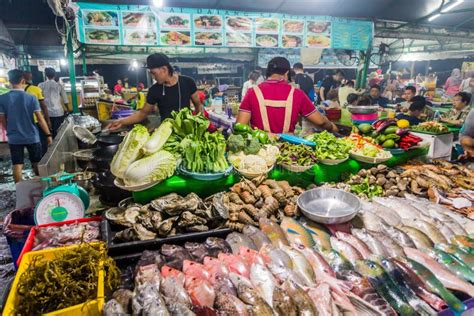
(31, 236)
(430, 133)
(92, 307)
(116, 249)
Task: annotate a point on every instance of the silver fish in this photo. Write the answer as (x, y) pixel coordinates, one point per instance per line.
(399, 236)
(373, 243)
(393, 248)
(237, 240)
(399, 206)
(371, 221)
(382, 211)
(257, 236)
(263, 281)
(427, 228)
(301, 264)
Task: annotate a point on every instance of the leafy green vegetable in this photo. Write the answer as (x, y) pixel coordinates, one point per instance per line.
(253, 147)
(298, 155)
(129, 150)
(185, 123)
(236, 143)
(205, 155)
(370, 190)
(158, 166)
(158, 138)
(329, 146)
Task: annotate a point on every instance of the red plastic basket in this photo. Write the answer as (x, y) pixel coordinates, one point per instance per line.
(31, 236)
(333, 114)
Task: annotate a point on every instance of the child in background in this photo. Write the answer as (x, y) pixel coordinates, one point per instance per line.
(332, 100)
(415, 110)
(352, 99)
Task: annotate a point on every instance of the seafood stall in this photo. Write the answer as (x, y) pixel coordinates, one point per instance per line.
(249, 223)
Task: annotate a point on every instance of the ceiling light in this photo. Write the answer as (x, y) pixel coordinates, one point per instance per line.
(452, 5)
(63, 62)
(157, 3)
(2, 72)
(134, 64)
(431, 18)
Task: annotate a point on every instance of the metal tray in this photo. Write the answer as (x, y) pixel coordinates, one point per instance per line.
(118, 249)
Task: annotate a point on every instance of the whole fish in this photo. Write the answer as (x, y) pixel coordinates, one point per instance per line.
(370, 220)
(417, 285)
(176, 308)
(273, 232)
(217, 245)
(276, 255)
(346, 249)
(301, 298)
(397, 277)
(249, 295)
(448, 279)
(445, 229)
(148, 301)
(168, 272)
(360, 285)
(375, 246)
(215, 268)
(149, 274)
(223, 284)
(296, 233)
(318, 232)
(256, 235)
(251, 256)
(452, 264)
(200, 291)
(399, 206)
(175, 255)
(384, 286)
(197, 270)
(263, 281)
(321, 296)
(227, 304)
(465, 243)
(197, 251)
(235, 264)
(430, 230)
(112, 307)
(398, 235)
(301, 265)
(171, 289)
(323, 272)
(283, 304)
(456, 252)
(435, 285)
(418, 237)
(237, 240)
(388, 215)
(393, 248)
(356, 243)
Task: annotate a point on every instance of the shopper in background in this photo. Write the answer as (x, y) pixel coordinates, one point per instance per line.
(17, 109)
(170, 93)
(352, 99)
(376, 98)
(118, 87)
(415, 110)
(408, 94)
(53, 94)
(38, 94)
(453, 83)
(304, 81)
(467, 85)
(140, 96)
(345, 91)
(275, 106)
(261, 78)
(460, 110)
(389, 92)
(250, 83)
(466, 136)
(331, 82)
(332, 101)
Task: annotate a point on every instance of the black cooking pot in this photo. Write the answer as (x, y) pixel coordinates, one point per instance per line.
(103, 156)
(109, 193)
(108, 140)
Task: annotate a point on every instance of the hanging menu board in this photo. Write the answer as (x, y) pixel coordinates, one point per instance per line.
(148, 26)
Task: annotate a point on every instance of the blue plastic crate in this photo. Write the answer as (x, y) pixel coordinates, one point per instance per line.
(19, 217)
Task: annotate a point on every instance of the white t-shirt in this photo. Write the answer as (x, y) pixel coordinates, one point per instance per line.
(465, 86)
(247, 85)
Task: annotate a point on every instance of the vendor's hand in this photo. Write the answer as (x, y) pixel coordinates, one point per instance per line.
(49, 140)
(334, 128)
(115, 125)
(468, 153)
(49, 125)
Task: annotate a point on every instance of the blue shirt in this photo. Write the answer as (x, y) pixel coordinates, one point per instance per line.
(380, 101)
(19, 107)
(412, 119)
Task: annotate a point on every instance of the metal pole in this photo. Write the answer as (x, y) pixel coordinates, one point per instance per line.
(72, 70)
(84, 63)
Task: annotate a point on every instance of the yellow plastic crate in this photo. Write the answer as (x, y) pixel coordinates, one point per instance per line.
(93, 307)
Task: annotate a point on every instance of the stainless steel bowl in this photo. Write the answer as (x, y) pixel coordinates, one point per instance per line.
(363, 109)
(329, 206)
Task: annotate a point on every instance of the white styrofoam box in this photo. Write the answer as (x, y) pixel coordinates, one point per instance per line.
(440, 145)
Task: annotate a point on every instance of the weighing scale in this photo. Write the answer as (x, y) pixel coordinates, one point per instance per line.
(66, 201)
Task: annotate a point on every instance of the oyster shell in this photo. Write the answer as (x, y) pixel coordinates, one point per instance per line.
(143, 233)
(166, 226)
(126, 235)
(197, 228)
(189, 219)
(114, 214)
(173, 204)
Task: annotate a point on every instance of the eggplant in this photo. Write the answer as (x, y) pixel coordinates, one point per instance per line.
(401, 132)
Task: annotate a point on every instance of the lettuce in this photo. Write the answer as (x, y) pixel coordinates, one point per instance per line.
(129, 150)
(156, 167)
(158, 139)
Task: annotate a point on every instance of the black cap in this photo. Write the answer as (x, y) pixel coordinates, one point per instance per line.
(157, 60)
(279, 65)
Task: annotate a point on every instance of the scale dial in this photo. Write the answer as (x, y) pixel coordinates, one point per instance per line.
(58, 207)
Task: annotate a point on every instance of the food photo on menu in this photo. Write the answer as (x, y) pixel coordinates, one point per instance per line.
(267, 40)
(267, 24)
(318, 27)
(238, 23)
(100, 18)
(175, 38)
(290, 41)
(140, 36)
(315, 41)
(175, 20)
(95, 36)
(293, 26)
(207, 22)
(138, 19)
(237, 39)
(207, 39)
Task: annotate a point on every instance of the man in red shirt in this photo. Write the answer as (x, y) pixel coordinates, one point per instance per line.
(275, 106)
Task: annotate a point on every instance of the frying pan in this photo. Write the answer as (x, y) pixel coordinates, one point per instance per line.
(107, 140)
